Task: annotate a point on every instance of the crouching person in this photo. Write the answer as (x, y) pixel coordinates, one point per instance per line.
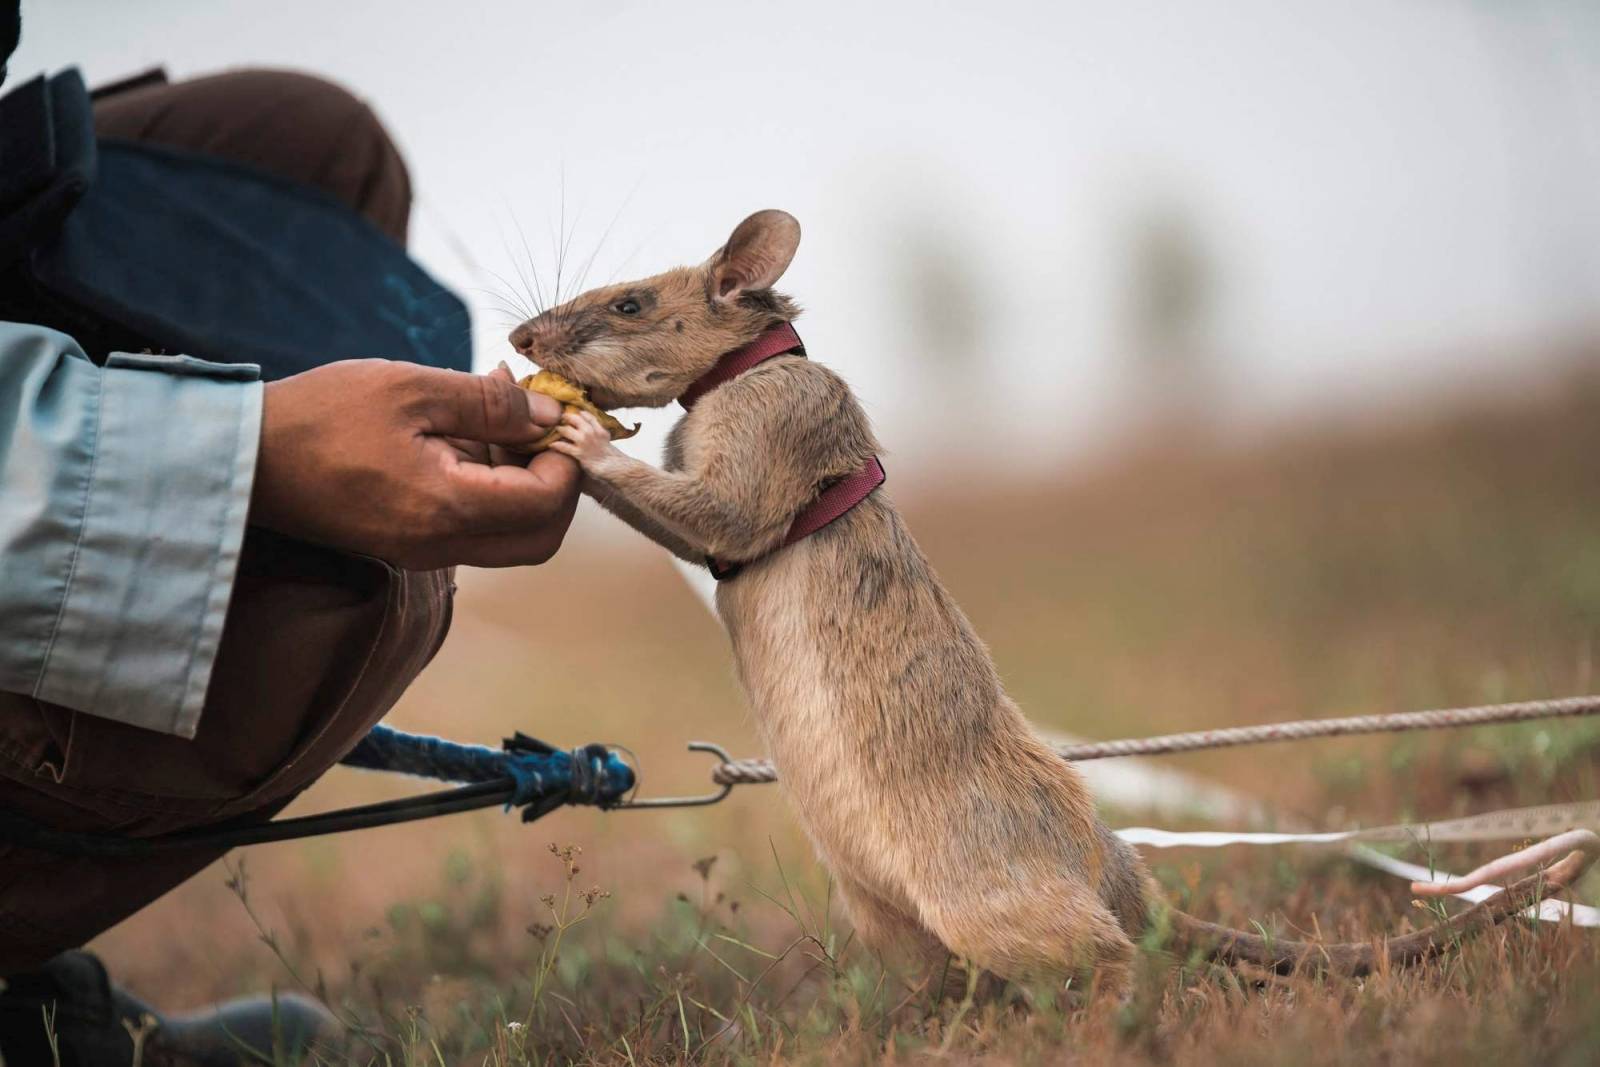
(212, 587)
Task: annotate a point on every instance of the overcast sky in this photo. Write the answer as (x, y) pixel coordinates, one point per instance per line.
(1381, 192)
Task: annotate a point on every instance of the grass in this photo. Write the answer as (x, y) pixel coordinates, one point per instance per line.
(1332, 570)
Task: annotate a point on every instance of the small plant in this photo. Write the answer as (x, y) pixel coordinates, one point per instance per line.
(573, 907)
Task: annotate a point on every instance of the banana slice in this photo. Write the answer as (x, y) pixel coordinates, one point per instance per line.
(571, 397)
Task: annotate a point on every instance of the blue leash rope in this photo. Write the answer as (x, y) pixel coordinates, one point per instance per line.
(526, 773)
(589, 775)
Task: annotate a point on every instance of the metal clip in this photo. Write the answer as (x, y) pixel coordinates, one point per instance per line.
(685, 802)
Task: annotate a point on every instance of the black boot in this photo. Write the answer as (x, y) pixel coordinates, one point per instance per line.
(92, 1023)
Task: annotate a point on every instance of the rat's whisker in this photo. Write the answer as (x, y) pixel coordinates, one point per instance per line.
(518, 316)
(564, 240)
(560, 234)
(464, 254)
(566, 247)
(589, 263)
(526, 292)
(537, 293)
(504, 298)
(513, 294)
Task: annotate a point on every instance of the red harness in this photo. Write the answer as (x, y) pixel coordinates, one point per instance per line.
(836, 498)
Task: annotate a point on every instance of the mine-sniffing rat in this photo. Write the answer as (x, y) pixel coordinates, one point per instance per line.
(947, 822)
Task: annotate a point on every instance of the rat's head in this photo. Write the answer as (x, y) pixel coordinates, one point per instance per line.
(641, 344)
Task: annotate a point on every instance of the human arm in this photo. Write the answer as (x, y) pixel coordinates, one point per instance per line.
(125, 490)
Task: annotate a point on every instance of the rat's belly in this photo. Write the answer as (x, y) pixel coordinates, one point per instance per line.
(796, 675)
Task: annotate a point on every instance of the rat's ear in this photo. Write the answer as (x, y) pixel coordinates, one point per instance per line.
(755, 257)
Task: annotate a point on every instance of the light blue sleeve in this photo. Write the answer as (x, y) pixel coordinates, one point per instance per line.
(124, 492)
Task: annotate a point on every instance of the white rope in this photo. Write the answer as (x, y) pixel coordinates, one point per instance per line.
(1303, 729)
(759, 771)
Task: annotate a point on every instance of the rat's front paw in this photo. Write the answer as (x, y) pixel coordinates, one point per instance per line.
(585, 440)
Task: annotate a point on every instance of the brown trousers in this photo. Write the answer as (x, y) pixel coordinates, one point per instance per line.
(318, 644)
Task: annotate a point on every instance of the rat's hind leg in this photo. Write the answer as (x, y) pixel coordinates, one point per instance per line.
(891, 932)
(1037, 931)
(883, 928)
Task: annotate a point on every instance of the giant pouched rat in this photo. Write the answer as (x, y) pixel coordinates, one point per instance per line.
(947, 822)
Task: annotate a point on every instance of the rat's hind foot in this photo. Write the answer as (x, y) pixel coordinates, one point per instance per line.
(1044, 931)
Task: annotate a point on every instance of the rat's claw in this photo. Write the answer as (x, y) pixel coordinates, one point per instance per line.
(585, 429)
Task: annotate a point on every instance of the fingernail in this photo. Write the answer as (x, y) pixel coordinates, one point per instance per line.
(504, 367)
(542, 409)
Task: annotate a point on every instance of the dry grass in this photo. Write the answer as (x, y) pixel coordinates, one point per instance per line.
(1335, 572)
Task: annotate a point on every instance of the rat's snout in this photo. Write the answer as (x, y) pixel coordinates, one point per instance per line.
(522, 338)
(543, 338)
(552, 338)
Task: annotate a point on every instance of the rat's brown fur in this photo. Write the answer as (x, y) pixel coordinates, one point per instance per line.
(949, 825)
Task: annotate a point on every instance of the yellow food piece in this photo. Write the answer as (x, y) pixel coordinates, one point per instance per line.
(572, 398)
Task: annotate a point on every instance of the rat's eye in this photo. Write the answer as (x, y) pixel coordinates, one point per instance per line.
(630, 306)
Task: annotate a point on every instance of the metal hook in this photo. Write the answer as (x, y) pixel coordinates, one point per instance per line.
(686, 802)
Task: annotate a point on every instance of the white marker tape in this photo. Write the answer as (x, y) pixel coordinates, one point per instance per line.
(1149, 835)
(1512, 824)
(1551, 911)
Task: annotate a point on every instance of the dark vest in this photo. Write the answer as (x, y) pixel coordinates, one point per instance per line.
(131, 247)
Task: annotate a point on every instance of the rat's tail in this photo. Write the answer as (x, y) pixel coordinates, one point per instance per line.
(1227, 945)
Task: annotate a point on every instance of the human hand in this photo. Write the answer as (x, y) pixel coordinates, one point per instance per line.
(414, 465)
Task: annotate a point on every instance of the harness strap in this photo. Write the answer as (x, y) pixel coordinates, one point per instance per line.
(838, 497)
(776, 341)
(832, 503)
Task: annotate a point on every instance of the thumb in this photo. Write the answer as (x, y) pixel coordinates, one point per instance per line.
(488, 408)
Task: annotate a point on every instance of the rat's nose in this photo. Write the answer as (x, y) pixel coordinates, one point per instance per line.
(522, 338)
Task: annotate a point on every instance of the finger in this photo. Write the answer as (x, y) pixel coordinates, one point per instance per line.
(512, 499)
(512, 550)
(476, 451)
(566, 448)
(487, 407)
(500, 456)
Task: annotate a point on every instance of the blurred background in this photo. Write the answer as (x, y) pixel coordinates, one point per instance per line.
(1086, 216)
(1234, 361)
